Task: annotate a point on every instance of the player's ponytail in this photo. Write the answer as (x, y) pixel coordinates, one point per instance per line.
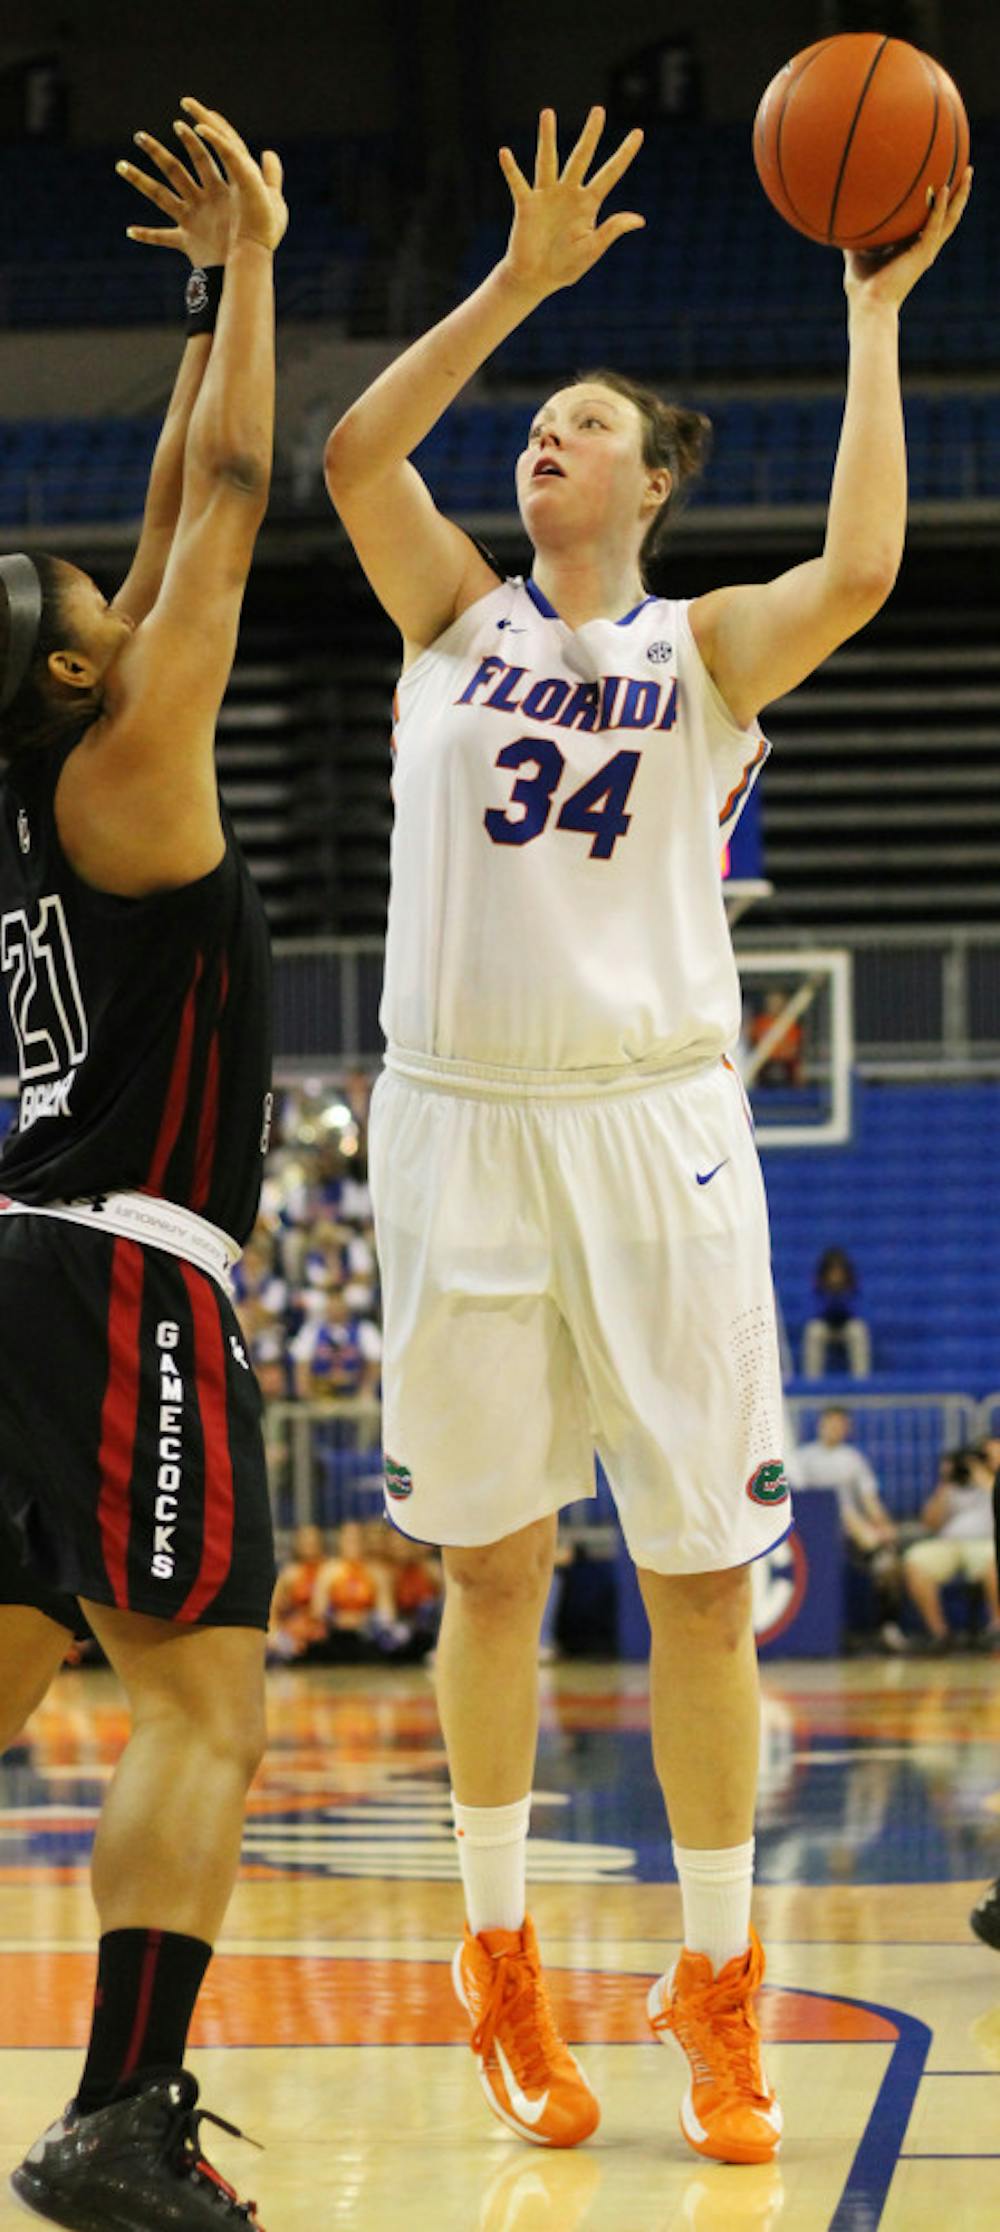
(34, 709)
(673, 436)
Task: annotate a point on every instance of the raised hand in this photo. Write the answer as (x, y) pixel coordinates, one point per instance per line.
(891, 278)
(555, 237)
(198, 201)
(258, 208)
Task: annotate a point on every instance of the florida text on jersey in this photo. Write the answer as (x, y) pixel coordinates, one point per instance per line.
(562, 801)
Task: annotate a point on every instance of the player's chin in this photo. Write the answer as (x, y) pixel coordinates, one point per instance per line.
(543, 500)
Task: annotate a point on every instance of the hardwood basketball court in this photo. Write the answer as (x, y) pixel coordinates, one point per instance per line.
(328, 2029)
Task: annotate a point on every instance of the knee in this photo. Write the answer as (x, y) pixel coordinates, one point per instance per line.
(226, 1726)
(505, 1582)
(244, 1738)
(701, 1611)
(235, 1730)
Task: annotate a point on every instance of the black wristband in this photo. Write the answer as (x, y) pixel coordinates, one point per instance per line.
(202, 297)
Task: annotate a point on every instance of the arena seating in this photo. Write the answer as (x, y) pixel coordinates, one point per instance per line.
(715, 287)
(775, 451)
(915, 1200)
(65, 470)
(718, 286)
(67, 261)
(768, 450)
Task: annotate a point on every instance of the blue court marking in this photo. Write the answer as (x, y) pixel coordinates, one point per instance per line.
(871, 2173)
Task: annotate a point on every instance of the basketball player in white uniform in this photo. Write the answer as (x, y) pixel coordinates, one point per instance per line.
(570, 1213)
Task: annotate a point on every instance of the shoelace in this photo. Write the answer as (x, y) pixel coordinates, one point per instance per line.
(720, 2018)
(518, 1996)
(185, 2148)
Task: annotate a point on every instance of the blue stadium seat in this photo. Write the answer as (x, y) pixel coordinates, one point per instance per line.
(929, 1288)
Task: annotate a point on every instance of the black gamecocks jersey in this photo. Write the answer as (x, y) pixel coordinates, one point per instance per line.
(142, 1026)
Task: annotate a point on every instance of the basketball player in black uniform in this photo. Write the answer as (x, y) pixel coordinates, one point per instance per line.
(134, 952)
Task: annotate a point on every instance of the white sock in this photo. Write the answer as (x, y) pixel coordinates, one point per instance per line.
(716, 1889)
(492, 1849)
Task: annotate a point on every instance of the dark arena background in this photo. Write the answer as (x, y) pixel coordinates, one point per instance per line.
(864, 888)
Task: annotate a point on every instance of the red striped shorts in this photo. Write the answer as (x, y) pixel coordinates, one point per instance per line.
(131, 1452)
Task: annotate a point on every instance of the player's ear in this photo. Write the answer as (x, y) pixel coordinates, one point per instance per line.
(659, 482)
(73, 669)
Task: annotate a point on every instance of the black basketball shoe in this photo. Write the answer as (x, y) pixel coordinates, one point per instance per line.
(985, 1916)
(136, 2166)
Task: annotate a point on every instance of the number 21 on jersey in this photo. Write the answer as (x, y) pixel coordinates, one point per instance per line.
(46, 1008)
(597, 809)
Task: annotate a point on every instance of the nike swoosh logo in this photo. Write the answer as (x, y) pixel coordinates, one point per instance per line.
(510, 624)
(527, 2111)
(705, 1177)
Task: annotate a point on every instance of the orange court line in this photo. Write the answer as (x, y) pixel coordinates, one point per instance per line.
(278, 2000)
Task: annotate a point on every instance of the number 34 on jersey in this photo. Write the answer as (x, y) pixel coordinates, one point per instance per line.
(597, 808)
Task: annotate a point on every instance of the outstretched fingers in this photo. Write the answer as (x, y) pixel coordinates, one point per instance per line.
(222, 137)
(272, 170)
(615, 228)
(202, 160)
(165, 160)
(153, 236)
(547, 150)
(579, 162)
(513, 174)
(152, 189)
(617, 164)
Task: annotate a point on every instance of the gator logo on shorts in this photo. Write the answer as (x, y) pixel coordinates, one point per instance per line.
(398, 1481)
(768, 1485)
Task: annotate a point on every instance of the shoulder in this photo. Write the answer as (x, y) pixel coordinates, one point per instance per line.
(695, 639)
(478, 622)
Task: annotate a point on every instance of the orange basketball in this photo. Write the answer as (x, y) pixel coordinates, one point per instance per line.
(850, 135)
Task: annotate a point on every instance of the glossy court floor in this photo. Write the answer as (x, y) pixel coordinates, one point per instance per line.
(328, 2028)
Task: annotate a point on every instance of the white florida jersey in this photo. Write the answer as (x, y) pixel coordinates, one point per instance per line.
(562, 801)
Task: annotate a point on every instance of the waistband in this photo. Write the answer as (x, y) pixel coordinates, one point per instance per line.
(143, 1217)
(483, 1082)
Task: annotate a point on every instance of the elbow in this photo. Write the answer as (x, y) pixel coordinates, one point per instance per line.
(247, 471)
(864, 587)
(334, 472)
(230, 464)
(341, 465)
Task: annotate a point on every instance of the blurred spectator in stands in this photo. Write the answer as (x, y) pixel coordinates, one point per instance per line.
(836, 1334)
(339, 1188)
(261, 1300)
(784, 1063)
(417, 1583)
(352, 1595)
(872, 1538)
(958, 1518)
(323, 1264)
(336, 1355)
(355, 1204)
(256, 1277)
(296, 1628)
(357, 1094)
(361, 1272)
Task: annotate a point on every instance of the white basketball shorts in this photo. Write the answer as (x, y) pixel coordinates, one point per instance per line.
(566, 1271)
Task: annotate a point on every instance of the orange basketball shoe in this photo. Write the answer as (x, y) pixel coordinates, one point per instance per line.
(530, 2078)
(729, 2111)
